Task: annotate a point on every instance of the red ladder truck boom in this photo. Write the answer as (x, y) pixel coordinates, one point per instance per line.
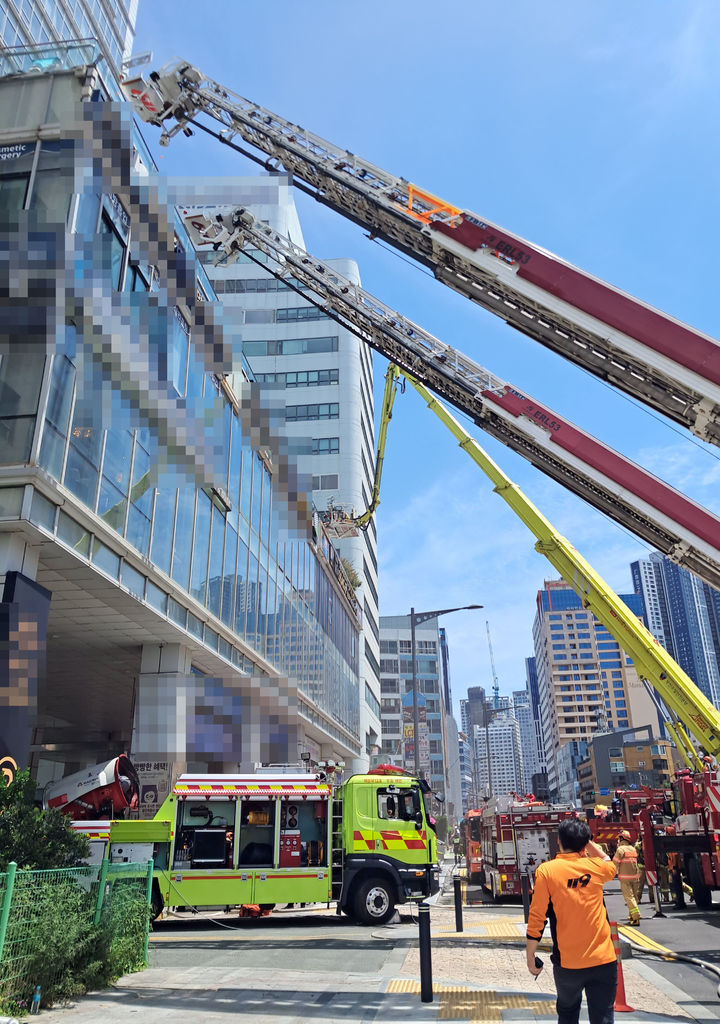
(664, 517)
(640, 350)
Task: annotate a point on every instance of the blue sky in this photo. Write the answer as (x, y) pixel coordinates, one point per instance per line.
(589, 128)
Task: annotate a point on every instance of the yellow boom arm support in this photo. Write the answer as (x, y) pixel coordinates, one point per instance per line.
(651, 661)
(392, 378)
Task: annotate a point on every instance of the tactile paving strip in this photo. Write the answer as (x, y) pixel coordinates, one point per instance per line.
(459, 1003)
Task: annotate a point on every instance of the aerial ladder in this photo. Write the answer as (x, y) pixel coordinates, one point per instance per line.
(690, 713)
(662, 516)
(644, 352)
(180, 92)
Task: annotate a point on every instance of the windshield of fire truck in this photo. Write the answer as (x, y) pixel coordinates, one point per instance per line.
(474, 829)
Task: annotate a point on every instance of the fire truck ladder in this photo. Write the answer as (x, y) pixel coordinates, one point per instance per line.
(640, 350)
(336, 832)
(636, 499)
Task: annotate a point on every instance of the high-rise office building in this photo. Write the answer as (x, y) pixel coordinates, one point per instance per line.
(474, 708)
(111, 22)
(164, 591)
(499, 769)
(682, 614)
(527, 724)
(319, 377)
(585, 681)
(397, 700)
(453, 775)
(533, 692)
(467, 785)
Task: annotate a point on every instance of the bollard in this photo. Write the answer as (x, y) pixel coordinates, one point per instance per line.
(457, 886)
(525, 886)
(621, 1005)
(657, 901)
(426, 984)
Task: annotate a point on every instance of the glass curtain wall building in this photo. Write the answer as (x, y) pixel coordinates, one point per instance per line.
(166, 586)
(319, 376)
(585, 682)
(110, 22)
(682, 614)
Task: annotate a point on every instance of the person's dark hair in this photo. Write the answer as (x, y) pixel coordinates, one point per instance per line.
(574, 834)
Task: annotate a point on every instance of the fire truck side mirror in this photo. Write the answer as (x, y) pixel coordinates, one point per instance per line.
(418, 819)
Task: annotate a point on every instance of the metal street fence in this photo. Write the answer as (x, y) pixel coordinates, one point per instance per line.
(71, 929)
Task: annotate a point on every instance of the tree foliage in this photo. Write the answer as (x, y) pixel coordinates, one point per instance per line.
(33, 838)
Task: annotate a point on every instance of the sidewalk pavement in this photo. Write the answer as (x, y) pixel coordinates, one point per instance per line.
(479, 976)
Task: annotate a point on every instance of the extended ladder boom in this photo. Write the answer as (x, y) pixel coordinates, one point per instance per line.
(391, 382)
(620, 339)
(633, 497)
(651, 661)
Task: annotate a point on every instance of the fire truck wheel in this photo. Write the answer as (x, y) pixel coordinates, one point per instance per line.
(702, 894)
(374, 901)
(156, 902)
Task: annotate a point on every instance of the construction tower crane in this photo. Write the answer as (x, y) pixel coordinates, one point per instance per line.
(496, 685)
(653, 510)
(644, 352)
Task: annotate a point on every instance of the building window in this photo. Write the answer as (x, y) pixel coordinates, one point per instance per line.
(325, 445)
(116, 256)
(296, 313)
(290, 347)
(322, 411)
(328, 482)
(300, 378)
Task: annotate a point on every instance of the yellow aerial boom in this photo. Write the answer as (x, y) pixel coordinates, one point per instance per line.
(685, 701)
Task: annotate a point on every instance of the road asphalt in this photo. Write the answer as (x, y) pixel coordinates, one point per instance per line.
(311, 967)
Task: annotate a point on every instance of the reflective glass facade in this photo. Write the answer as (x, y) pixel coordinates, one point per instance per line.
(130, 449)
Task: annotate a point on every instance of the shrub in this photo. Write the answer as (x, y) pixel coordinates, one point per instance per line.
(33, 838)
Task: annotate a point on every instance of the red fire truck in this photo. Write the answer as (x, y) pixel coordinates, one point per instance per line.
(623, 815)
(515, 836)
(684, 820)
(470, 830)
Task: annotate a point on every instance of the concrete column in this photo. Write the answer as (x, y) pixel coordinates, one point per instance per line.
(17, 555)
(24, 610)
(210, 723)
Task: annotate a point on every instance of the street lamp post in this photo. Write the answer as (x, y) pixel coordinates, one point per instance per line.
(416, 619)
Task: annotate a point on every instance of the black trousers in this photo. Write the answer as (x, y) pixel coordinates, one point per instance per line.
(599, 985)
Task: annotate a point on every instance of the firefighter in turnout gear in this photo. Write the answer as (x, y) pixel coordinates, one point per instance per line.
(628, 875)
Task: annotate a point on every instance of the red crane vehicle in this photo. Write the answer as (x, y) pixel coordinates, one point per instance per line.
(623, 815)
(684, 819)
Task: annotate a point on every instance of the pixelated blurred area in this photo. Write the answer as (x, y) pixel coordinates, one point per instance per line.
(147, 486)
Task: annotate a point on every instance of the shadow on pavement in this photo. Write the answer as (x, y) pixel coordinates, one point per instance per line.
(271, 1003)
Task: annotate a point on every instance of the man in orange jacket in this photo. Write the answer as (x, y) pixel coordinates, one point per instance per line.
(569, 891)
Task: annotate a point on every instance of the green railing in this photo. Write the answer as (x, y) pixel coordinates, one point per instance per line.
(71, 929)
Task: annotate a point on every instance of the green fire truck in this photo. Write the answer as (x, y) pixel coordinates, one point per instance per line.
(227, 840)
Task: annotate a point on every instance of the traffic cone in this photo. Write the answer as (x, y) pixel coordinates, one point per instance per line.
(620, 998)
